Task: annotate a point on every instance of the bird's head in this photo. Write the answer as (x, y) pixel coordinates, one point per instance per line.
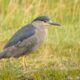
(44, 21)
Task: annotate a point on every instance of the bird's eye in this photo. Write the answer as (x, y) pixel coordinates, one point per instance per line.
(45, 21)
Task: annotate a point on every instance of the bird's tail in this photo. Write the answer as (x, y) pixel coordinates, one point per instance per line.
(2, 54)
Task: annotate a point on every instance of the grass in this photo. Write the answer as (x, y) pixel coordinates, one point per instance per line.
(58, 58)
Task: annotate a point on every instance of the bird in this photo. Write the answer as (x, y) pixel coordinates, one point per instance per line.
(27, 38)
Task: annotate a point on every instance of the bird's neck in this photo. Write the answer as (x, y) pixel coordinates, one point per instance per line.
(41, 31)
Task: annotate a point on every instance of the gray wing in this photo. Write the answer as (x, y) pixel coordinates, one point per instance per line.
(22, 34)
(23, 48)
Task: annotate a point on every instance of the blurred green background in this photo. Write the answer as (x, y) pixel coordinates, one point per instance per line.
(59, 56)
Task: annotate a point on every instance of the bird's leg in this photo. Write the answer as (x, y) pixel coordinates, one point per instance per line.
(24, 65)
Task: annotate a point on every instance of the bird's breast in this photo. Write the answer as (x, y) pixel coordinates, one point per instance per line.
(41, 34)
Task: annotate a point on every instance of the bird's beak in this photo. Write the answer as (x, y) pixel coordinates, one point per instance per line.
(54, 23)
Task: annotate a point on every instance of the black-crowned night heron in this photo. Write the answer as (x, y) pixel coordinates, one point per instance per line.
(27, 38)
